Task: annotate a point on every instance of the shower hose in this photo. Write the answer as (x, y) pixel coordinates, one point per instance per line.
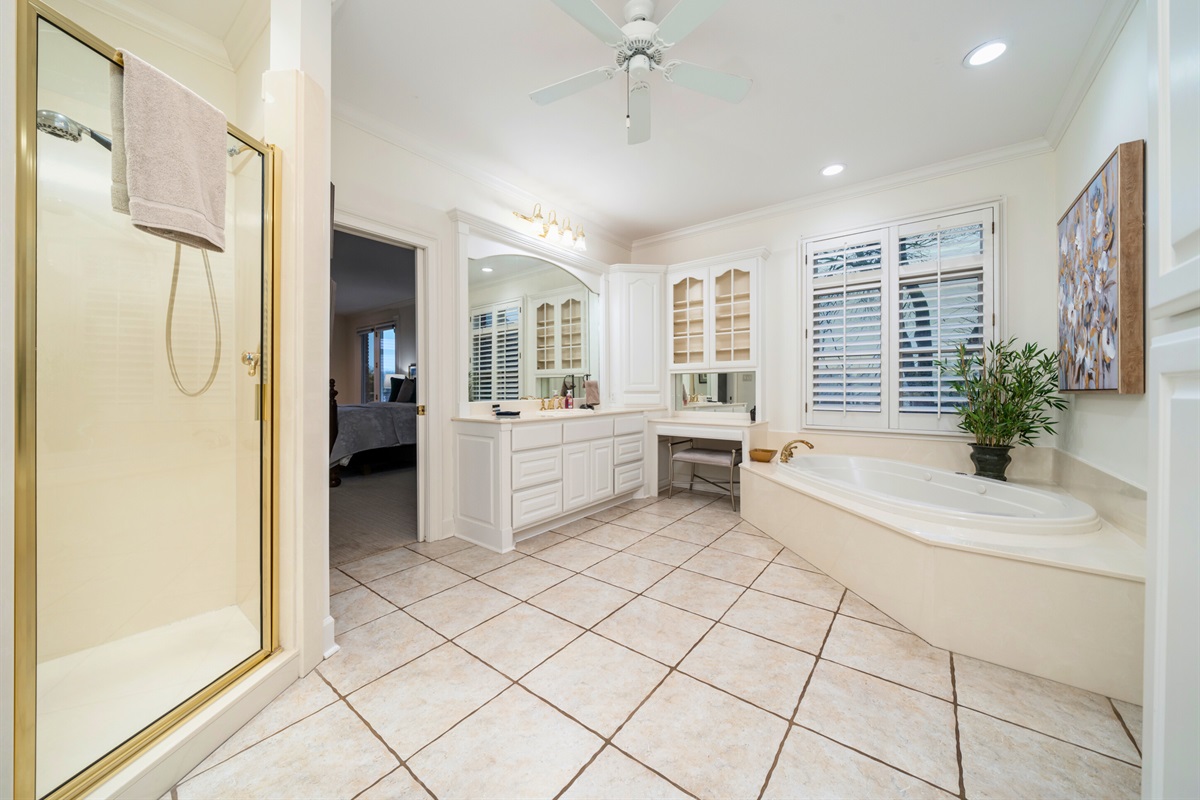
(212, 294)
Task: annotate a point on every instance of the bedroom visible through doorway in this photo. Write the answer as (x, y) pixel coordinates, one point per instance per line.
(374, 392)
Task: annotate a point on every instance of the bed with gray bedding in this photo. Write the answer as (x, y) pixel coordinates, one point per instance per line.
(371, 426)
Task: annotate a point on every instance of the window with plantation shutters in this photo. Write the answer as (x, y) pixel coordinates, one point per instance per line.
(846, 327)
(883, 308)
(496, 352)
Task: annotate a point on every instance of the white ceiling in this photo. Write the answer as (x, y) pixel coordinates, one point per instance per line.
(877, 84)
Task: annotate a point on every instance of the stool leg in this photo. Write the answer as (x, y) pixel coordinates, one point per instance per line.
(692, 482)
(670, 478)
(732, 502)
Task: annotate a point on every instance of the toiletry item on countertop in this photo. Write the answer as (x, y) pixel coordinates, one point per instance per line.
(570, 400)
(508, 413)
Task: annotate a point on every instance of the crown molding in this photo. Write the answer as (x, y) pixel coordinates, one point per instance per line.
(658, 269)
(252, 19)
(406, 140)
(149, 19)
(940, 169)
(1104, 36)
(713, 261)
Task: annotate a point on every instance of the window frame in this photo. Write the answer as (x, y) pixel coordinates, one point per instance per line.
(376, 345)
(890, 419)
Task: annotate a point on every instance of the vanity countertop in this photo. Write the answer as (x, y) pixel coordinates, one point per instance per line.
(715, 422)
(528, 416)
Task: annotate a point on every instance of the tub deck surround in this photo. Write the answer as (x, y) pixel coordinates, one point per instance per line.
(518, 477)
(1069, 612)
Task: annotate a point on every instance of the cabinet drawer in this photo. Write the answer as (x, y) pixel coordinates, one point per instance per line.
(535, 467)
(629, 448)
(628, 477)
(586, 429)
(631, 423)
(534, 505)
(534, 436)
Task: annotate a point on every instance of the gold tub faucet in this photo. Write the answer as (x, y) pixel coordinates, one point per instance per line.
(785, 455)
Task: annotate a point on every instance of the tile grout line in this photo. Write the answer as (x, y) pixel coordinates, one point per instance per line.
(402, 764)
(795, 711)
(962, 786)
(1129, 733)
(1110, 756)
(870, 757)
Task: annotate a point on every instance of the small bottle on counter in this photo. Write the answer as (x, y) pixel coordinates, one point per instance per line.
(569, 402)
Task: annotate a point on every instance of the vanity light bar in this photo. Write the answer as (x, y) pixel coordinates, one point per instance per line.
(552, 230)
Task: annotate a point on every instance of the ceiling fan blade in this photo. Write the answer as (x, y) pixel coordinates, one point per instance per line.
(685, 17)
(708, 81)
(570, 86)
(589, 15)
(639, 113)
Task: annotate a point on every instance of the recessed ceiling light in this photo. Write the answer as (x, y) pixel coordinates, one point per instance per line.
(487, 269)
(985, 53)
(832, 169)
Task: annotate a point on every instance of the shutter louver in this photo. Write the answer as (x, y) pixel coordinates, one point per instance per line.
(941, 306)
(846, 345)
(495, 353)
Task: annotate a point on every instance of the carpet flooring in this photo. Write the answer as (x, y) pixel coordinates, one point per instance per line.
(369, 514)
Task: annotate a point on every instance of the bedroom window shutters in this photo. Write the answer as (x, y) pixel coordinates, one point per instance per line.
(883, 307)
(496, 352)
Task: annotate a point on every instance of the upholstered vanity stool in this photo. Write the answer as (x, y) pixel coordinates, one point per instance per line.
(699, 455)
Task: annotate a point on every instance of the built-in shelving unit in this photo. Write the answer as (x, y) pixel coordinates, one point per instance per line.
(688, 319)
(544, 334)
(732, 317)
(571, 353)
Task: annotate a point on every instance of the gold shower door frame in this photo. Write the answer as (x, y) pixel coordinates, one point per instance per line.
(25, 522)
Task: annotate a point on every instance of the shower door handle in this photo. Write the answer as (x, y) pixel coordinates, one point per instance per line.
(251, 360)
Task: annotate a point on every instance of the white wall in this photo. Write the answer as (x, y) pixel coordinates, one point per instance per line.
(1107, 430)
(383, 183)
(1026, 231)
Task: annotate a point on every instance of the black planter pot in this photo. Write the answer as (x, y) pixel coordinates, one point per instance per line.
(990, 462)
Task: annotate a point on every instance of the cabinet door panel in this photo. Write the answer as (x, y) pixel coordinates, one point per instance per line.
(629, 477)
(575, 475)
(535, 467)
(629, 448)
(601, 478)
(534, 505)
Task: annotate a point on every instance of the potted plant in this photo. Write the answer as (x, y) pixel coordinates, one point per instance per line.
(1007, 394)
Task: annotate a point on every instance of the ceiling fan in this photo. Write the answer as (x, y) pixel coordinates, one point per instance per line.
(639, 47)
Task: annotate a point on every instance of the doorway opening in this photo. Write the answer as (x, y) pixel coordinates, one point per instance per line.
(374, 397)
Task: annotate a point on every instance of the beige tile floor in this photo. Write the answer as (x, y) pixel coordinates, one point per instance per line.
(683, 655)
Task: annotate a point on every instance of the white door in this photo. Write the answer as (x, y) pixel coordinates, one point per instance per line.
(601, 478)
(575, 475)
(1172, 692)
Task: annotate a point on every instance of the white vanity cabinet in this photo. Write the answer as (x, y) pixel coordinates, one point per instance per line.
(713, 312)
(517, 478)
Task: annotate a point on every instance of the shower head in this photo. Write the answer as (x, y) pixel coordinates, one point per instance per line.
(63, 127)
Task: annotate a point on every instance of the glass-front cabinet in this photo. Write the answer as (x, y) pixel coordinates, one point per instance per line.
(559, 333)
(713, 315)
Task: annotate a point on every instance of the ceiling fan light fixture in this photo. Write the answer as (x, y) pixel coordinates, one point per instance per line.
(985, 53)
(833, 169)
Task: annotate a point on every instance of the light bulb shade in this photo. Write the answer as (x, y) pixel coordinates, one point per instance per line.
(580, 241)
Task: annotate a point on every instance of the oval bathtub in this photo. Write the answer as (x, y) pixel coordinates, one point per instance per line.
(942, 503)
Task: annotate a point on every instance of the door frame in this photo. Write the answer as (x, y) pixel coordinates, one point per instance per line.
(425, 248)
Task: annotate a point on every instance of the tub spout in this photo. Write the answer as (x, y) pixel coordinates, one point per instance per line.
(785, 455)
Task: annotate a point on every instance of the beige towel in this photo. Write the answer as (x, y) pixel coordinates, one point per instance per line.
(169, 159)
(591, 391)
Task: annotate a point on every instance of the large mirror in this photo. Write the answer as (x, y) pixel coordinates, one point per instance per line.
(725, 392)
(533, 328)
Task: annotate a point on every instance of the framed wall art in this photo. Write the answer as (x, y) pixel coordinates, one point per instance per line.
(1101, 262)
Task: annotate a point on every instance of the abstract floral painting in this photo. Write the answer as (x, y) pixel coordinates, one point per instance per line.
(1100, 266)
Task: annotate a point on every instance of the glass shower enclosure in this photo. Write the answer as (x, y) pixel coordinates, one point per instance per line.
(146, 463)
